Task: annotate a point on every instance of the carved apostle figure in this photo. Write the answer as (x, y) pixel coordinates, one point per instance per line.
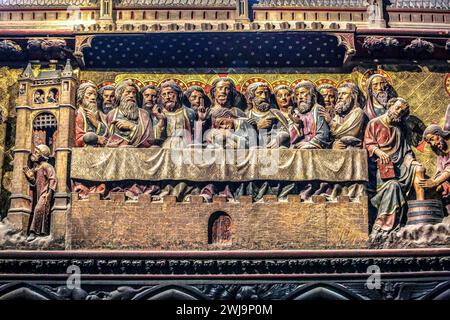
(439, 141)
(379, 92)
(284, 97)
(223, 93)
(176, 121)
(150, 94)
(310, 129)
(393, 170)
(107, 98)
(129, 125)
(42, 178)
(348, 124)
(270, 123)
(196, 99)
(327, 97)
(90, 123)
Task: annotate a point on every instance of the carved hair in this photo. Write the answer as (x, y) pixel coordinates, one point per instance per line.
(102, 90)
(44, 151)
(149, 86)
(232, 88)
(120, 88)
(311, 87)
(283, 87)
(389, 89)
(393, 101)
(436, 130)
(106, 88)
(174, 86)
(82, 90)
(252, 89)
(356, 93)
(190, 90)
(327, 86)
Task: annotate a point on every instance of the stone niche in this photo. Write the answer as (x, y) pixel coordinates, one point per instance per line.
(195, 225)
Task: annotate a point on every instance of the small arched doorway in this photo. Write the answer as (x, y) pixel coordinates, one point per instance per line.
(220, 228)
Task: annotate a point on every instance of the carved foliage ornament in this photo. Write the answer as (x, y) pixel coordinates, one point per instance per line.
(378, 45)
(419, 48)
(10, 50)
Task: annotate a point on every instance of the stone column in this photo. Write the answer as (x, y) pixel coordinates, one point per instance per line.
(65, 141)
(21, 200)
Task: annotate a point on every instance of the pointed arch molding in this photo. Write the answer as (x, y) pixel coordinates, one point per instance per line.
(24, 291)
(322, 291)
(171, 292)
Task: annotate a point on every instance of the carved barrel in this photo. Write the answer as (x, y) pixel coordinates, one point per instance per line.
(424, 212)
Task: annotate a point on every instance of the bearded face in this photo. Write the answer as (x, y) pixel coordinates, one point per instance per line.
(196, 99)
(437, 143)
(379, 90)
(109, 99)
(90, 99)
(345, 101)
(304, 99)
(222, 93)
(150, 97)
(397, 112)
(381, 97)
(128, 104)
(329, 98)
(261, 99)
(169, 99)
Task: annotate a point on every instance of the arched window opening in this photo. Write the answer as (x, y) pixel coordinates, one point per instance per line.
(45, 130)
(220, 228)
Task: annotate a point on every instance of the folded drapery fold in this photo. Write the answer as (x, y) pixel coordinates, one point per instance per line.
(154, 164)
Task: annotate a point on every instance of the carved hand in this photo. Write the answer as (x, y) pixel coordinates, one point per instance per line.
(339, 145)
(101, 140)
(427, 183)
(202, 113)
(125, 125)
(158, 113)
(28, 173)
(92, 117)
(384, 157)
(295, 118)
(326, 116)
(264, 123)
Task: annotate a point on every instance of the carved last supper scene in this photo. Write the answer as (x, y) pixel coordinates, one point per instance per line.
(225, 126)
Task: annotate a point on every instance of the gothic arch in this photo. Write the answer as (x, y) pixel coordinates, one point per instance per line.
(171, 292)
(220, 228)
(322, 291)
(441, 292)
(23, 291)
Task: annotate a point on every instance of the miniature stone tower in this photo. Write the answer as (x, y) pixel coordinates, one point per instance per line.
(45, 115)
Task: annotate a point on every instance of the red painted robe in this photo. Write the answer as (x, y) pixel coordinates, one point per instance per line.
(83, 126)
(44, 181)
(141, 137)
(390, 195)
